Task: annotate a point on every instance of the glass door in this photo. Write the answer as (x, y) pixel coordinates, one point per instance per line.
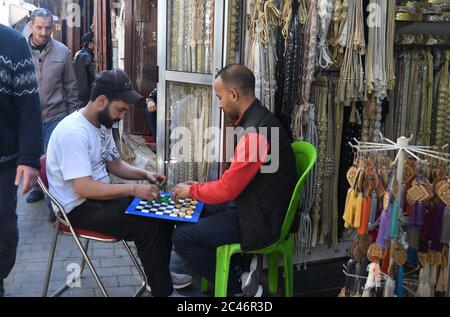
(190, 53)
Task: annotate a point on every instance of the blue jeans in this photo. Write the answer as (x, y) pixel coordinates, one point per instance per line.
(9, 232)
(47, 130)
(197, 243)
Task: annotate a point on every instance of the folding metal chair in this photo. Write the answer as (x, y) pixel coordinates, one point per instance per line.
(62, 226)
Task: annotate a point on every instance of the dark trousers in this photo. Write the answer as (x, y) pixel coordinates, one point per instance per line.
(151, 121)
(152, 237)
(9, 233)
(197, 243)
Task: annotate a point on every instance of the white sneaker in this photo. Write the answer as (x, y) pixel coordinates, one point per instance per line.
(180, 281)
(258, 293)
(176, 294)
(250, 280)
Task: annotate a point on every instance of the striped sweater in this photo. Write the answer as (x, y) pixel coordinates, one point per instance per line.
(20, 111)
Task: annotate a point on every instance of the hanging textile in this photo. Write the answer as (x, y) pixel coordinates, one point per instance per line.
(189, 138)
(190, 33)
(261, 57)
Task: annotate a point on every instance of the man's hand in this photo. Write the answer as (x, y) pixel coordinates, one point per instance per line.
(146, 192)
(155, 178)
(181, 191)
(29, 176)
(151, 106)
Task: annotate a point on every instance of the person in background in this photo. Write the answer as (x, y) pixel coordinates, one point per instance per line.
(56, 78)
(84, 67)
(150, 112)
(21, 139)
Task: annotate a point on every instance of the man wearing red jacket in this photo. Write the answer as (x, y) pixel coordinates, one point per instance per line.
(248, 203)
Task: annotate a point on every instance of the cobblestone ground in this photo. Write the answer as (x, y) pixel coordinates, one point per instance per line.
(112, 262)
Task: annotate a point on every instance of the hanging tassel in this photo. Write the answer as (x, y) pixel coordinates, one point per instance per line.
(365, 214)
(445, 232)
(386, 261)
(353, 114)
(420, 214)
(383, 230)
(393, 232)
(373, 210)
(413, 216)
(441, 286)
(399, 291)
(358, 210)
(349, 203)
(304, 239)
(389, 287)
(436, 228)
(412, 257)
(413, 236)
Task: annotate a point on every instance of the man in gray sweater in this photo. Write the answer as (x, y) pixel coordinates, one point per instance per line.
(57, 82)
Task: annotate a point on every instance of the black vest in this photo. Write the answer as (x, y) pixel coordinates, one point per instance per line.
(263, 204)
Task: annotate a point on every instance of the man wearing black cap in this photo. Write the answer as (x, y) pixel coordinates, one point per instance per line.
(80, 154)
(84, 66)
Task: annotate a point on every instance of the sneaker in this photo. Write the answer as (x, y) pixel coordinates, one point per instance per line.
(35, 195)
(176, 294)
(250, 280)
(258, 293)
(180, 281)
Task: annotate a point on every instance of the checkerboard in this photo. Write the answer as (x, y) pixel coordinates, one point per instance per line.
(184, 210)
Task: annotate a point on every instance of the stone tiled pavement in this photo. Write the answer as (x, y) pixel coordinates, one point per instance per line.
(27, 277)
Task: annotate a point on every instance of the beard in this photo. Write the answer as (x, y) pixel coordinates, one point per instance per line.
(104, 119)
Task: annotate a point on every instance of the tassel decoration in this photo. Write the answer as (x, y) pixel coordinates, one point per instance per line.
(358, 210)
(393, 232)
(373, 210)
(436, 228)
(383, 230)
(412, 257)
(365, 214)
(445, 232)
(399, 291)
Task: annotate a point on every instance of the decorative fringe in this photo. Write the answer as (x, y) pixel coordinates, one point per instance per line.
(365, 215)
(373, 210)
(442, 283)
(445, 232)
(413, 237)
(399, 291)
(393, 232)
(348, 212)
(436, 228)
(303, 242)
(358, 210)
(412, 257)
(389, 287)
(383, 230)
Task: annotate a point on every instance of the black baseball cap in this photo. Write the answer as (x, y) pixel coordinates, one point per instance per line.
(87, 38)
(116, 82)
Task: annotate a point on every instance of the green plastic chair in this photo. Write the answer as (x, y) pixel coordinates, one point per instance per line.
(305, 156)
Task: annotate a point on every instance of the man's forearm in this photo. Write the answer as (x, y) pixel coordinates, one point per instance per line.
(126, 171)
(99, 191)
